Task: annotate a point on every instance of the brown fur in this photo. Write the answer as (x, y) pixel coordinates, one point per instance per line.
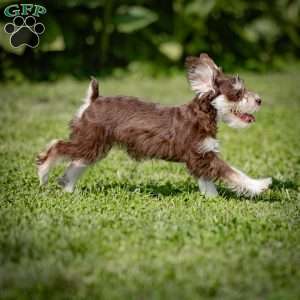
(147, 130)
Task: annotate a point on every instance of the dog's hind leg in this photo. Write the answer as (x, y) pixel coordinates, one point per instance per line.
(83, 153)
(79, 165)
(71, 175)
(55, 151)
(45, 161)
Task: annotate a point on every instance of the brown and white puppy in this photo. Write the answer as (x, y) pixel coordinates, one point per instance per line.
(185, 133)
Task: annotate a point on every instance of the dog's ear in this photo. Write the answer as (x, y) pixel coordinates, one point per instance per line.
(201, 72)
(205, 58)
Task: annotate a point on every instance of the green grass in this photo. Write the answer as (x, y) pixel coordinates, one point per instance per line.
(143, 231)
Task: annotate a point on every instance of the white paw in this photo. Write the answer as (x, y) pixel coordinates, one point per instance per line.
(43, 175)
(43, 179)
(68, 189)
(207, 188)
(210, 194)
(65, 184)
(257, 186)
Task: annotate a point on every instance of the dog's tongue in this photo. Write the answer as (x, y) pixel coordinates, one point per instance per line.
(247, 118)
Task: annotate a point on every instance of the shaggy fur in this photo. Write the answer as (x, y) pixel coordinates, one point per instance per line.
(147, 130)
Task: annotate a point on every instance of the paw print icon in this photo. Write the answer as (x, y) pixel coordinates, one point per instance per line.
(24, 31)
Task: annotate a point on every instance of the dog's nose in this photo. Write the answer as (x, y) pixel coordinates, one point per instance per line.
(258, 101)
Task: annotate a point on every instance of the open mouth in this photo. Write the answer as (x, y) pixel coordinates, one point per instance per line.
(245, 117)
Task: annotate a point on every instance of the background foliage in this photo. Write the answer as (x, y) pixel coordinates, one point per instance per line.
(90, 37)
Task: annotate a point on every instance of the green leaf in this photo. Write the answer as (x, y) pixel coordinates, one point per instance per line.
(293, 12)
(172, 50)
(52, 39)
(264, 28)
(84, 3)
(132, 18)
(200, 8)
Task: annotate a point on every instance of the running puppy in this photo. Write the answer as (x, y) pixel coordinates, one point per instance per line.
(185, 133)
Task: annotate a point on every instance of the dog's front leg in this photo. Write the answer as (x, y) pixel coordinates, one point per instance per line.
(243, 184)
(209, 167)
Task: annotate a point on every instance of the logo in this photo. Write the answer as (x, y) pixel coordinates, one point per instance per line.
(24, 28)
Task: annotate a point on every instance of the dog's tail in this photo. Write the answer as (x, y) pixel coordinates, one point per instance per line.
(93, 91)
(91, 95)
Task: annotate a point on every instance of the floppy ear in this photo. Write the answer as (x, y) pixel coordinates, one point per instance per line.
(201, 72)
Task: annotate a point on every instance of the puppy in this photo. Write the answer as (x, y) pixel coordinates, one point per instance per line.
(185, 133)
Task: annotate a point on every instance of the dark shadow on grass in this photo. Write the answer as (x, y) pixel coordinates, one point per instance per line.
(281, 184)
(265, 197)
(152, 189)
(167, 189)
(270, 195)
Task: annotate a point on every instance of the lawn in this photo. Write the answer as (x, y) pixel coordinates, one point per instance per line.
(143, 231)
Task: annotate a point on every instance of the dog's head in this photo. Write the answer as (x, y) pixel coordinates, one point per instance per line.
(233, 102)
